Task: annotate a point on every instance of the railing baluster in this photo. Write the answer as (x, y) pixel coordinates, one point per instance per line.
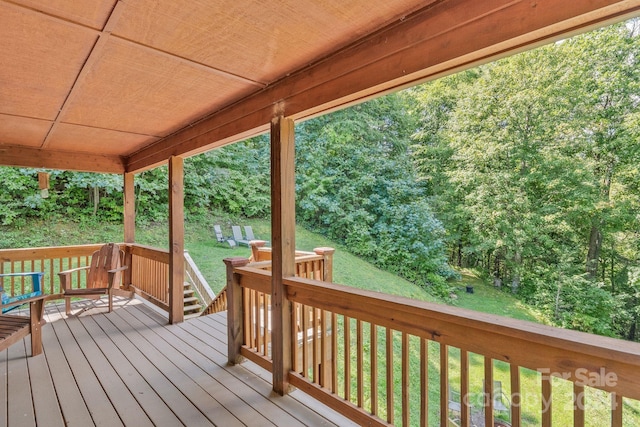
(616, 410)
(347, 358)
(22, 281)
(258, 319)
(359, 364)
(405, 379)
(444, 384)
(314, 340)
(374, 368)
(324, 350)
(424, 383)
(578, 405)
(389, 355)
(334, 353)
(267, 324)
(252, 322)
(295, 343)
(515, 395)
(488, 391)
(465, 412)
(546, 401)
(246, 302)
(305, 341)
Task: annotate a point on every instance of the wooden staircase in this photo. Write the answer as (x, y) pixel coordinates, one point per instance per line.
(192, 306)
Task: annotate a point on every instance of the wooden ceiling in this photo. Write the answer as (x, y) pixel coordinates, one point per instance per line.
(119, 85)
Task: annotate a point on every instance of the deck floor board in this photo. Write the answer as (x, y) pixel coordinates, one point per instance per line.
(130, 368)
(229, 390)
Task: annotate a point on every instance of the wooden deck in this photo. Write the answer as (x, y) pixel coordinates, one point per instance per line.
(129, 368)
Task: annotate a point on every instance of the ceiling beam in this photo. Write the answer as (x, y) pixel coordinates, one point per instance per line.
(445, 37)
(47, 159)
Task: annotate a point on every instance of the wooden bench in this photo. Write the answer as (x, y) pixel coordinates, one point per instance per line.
(14, 327)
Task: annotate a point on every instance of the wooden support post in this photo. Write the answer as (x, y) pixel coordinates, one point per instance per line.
(235, 311)
(176, 240)
(283, 225)
(327, 270)
(129, 225)
(36, 315)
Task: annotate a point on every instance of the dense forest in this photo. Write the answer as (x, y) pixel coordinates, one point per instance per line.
(526, 169)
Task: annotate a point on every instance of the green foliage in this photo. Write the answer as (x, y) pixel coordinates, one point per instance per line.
(234, 179)
(355, 184)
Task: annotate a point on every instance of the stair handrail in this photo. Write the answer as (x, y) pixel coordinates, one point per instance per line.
(200, 285)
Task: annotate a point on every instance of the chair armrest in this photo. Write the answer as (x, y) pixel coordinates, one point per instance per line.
(36, 278)
(65, 276)
(112, 274)
(73, 270)
(23, 301)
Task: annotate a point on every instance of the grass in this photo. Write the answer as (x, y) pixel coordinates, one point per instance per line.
(488, 299)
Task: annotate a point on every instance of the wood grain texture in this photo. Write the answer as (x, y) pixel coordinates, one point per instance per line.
(176, 240)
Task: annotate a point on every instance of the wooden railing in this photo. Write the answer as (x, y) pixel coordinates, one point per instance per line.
(49, 260)
(381, 359)
(312, 265)
(150, 274)
(197, 280)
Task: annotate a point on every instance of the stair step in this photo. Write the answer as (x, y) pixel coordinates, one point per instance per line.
(191, 316)
(190, 299)
(192, 307)
(188, 292)
(186, 284)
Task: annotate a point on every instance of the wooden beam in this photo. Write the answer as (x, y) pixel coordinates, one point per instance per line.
(36, 158)
(129, 224)
(442, 38)
(129, 208)
(176, 240)
(283, 225)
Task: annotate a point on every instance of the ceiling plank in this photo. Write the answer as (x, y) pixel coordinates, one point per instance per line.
(94, 56)
(37, 158)
(445, 37)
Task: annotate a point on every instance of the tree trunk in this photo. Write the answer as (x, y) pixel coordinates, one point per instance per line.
(595, 246)
(96, 199)
(557, 308)
(515, 282)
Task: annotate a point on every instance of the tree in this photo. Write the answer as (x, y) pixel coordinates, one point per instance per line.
(531, 162)
(355, 182)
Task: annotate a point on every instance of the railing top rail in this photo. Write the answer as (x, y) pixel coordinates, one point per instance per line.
(160, 255)
(27, 254)
(298, 259)
(387, 307)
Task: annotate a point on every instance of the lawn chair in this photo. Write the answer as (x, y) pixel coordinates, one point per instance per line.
(103, 275)
(221, 238)
(499, 398)
(248, 231)
(237, 236)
